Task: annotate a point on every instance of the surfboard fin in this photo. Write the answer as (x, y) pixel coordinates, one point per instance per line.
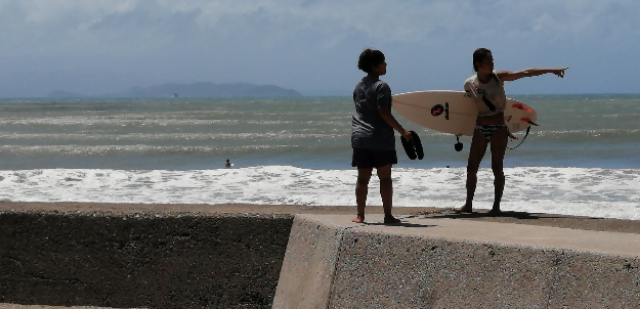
(528, 120)
(521, 106)
(458, 146)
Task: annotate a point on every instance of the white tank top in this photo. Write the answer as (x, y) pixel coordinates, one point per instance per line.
(490, 97)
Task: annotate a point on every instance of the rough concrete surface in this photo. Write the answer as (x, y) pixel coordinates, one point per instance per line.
(445, 263)
(215, 261)
(15, 306)
(230, 256)
(583, 223)
(595, 281)
(306, 277)
(435, 273)
(202, 209)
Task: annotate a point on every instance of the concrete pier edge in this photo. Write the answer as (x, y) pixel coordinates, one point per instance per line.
(445, 263)
(309, 261)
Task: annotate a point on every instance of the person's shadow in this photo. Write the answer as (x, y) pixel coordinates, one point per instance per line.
(504, 214)
(402, 224)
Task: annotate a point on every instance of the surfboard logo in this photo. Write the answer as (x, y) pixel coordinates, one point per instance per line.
(438, 109)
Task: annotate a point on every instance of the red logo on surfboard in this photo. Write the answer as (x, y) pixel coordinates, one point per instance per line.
(437, 110)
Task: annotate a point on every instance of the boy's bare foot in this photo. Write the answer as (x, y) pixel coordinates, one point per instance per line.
(495, 212)
(463, 209)
(358, 219)
(391, 220)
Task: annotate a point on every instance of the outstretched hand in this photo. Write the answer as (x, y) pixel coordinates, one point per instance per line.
(559, 72)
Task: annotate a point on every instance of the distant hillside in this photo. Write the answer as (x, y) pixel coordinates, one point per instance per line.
(63, 94)
(202, 90)
(207, 89)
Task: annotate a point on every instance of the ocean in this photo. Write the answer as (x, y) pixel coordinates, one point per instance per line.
(583, 159)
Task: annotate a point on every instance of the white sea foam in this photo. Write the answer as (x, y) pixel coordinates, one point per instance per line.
(613, 193)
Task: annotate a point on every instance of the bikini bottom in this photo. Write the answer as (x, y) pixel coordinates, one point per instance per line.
(488, 130)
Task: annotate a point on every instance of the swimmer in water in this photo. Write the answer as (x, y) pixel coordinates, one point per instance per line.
(228, 164)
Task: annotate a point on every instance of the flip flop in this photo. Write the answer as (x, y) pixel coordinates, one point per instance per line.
(413, 148)
(417, 144)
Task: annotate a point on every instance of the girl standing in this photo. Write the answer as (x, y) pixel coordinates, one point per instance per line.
(487, 89)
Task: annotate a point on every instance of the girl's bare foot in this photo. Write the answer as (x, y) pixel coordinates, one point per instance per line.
(358, 219)
(391, 220)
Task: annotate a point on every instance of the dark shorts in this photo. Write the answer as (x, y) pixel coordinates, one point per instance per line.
(368, 158)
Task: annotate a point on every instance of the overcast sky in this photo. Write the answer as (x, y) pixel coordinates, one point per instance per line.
(102, 46)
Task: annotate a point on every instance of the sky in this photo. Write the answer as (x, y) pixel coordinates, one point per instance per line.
(105, 46)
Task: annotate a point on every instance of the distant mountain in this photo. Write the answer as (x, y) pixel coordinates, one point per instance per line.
(63, 94)
(202, 90)
(207, 89)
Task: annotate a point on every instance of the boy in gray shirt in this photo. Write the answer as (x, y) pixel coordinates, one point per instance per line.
(372, 136)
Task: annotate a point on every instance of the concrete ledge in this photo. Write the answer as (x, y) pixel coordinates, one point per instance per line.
(446, 263)
(136, 260)
(324, 261)
(309, 269)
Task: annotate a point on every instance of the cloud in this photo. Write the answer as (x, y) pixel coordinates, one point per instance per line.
(278, 41)
(148, 24)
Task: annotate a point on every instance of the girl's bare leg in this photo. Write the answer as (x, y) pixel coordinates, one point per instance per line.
(476, 153)
(499, 142)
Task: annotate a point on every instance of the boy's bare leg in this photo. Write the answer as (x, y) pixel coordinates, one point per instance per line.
(362, 189)
(386, 192)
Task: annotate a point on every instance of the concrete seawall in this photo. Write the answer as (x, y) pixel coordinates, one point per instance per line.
(133, 260)
(214, 260)
(445, 263)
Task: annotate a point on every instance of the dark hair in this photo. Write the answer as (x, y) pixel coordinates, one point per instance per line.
(368, 58)
(479, 55)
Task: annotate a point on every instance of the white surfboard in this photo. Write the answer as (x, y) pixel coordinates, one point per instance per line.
(453, 112)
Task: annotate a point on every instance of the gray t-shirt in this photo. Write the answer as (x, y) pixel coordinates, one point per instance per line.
(368, 129)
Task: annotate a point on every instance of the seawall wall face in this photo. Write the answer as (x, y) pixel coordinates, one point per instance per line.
(215, 261)
(435, 273)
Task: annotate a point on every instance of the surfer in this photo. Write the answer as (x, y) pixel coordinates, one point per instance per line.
(487, 89)
(228, 164)
(372, 136)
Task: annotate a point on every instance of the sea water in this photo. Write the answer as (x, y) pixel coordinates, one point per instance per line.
(583, 159)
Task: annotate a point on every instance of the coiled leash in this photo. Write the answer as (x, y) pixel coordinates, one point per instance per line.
(525, 136)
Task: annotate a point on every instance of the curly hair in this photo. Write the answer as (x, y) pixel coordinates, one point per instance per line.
(369, 58)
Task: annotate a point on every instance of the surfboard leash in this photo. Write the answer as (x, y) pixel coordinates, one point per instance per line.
(524, 138)
(458, 146)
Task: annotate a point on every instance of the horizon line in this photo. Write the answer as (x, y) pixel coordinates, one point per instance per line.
(291, 97)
